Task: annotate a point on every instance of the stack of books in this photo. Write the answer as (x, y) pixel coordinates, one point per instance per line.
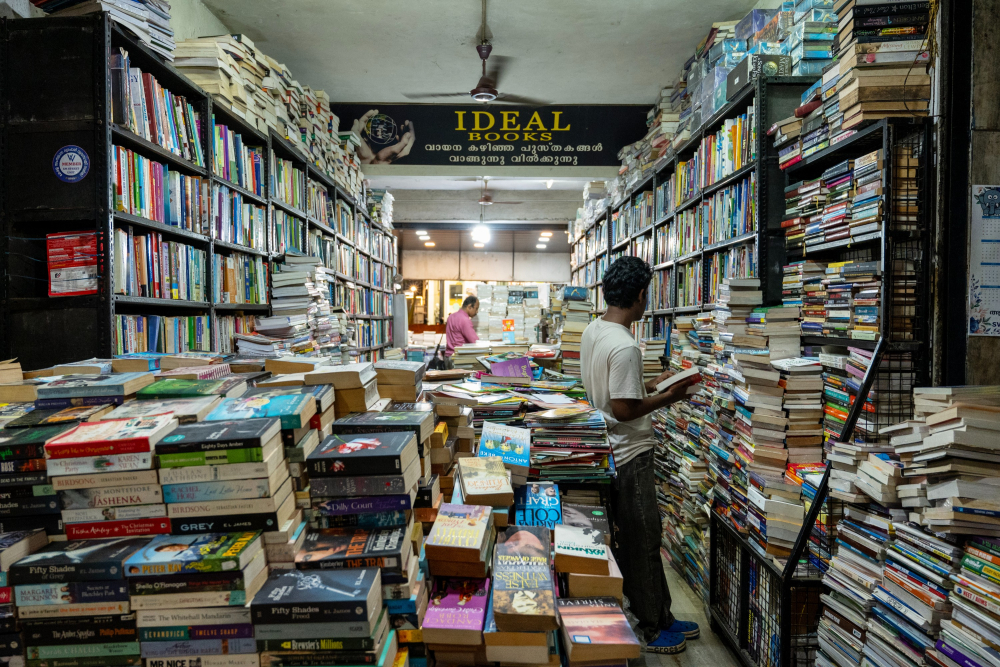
(804, 204)
(73, 601)
(323, 618)
(485, 480)
(576, 317)
(127, 504)
(149, 20)
(595, 630)
(802, 380)
(400, 380)
(775, 515)
(569, 444)
(189, 594)
(652, 350)
(465, 356)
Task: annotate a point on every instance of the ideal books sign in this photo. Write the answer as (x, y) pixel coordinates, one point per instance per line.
(492, 135)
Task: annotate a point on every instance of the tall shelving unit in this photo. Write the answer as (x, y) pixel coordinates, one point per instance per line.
(55, 77)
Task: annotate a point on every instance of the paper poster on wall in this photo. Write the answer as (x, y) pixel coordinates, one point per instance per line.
(984, 262)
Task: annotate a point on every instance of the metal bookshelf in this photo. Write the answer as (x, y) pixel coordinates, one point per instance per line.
(55, 78)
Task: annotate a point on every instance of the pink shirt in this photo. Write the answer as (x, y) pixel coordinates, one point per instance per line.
(458, 331)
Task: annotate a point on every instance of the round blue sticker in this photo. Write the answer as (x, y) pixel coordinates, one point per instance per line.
(71, 164)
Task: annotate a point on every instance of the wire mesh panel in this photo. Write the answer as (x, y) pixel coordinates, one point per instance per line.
(726, 574)
(764, 620)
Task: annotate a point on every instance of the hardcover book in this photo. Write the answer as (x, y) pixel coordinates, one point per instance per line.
(346, 376)
(400, 372)
(75, 561)
(596, 629)
(293, 410)
(344, 548)
(421, 424)
(314, 596)
(460, 533)
(371, 454)
(220, 435)
(511, 444)
(164, 389)
(79, 386)
(178, 554)
(456, 612)
(485, 481)
(580, 550)
(523, 595)
(537, 504)
(185, 410)
(112, 437)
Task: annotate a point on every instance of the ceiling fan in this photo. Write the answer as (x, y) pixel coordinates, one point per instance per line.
(486, 199)
(487, 89)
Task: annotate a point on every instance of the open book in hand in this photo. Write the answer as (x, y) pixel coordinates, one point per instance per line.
(680, 377)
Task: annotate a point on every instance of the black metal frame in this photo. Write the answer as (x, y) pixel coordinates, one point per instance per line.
(37, 328)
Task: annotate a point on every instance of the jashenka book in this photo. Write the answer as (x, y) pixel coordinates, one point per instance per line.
(210, 552)
(460, 533)
(523, 596)
(369, 454)
(77, 386)
(485, 481)
(218, 435)
(420, 424)
(456, 605)
(596, 629)
(75, 560)
(344, 548)
(537, 504)
(293, 410)
(184, 409)
(105, 438)
(580, 550)
(172, 388)
(313, 596)
(511, 444)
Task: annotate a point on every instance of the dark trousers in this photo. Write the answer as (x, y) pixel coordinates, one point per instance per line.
(637, 518)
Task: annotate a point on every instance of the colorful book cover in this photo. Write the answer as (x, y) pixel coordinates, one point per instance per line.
(419, 423)
(210, 552)
(323, 393)
(512, 368)
(522, 579)
(346, 548)
(538, 504)
(294, 410)
(296, 596)
(371, 454)
(511, 444)
(184, 409)
(75, 414)
(596, 621)
(105, 438)
(458, 604)
(482, 477)
(460, 526)
(173, 388)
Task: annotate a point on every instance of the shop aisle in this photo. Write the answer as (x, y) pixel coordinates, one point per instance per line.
(707, 650)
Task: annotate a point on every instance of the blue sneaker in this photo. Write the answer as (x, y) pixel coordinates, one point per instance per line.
(687, 628)
(667, 642)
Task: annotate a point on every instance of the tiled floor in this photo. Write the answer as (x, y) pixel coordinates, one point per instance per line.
(706, 651)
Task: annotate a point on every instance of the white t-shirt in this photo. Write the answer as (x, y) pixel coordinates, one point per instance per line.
(611, 366)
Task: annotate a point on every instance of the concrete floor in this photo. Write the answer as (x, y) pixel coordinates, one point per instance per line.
(706, 651)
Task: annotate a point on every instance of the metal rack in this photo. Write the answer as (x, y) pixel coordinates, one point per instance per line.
(766, 613)
(55, 79)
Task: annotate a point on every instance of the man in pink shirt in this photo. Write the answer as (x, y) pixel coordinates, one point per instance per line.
(459, 329)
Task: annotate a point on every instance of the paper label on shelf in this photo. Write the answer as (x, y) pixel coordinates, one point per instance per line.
(71, 164)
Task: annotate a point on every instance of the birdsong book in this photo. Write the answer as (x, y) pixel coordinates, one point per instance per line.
(523, 595)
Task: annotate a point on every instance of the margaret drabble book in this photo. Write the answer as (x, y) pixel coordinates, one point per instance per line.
(485, 482)
(596, 629)
(580, 550)
(209, 552)
(456, 612)
(460, 533)
(319, 596)
(523, 596)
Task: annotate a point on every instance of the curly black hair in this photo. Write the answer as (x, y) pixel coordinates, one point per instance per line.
(624, 280)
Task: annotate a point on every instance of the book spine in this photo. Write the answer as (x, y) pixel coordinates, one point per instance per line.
(68, 450)
(43, 403)
(222, 507)
(982, 568)
(372, 485)
(225, 524)
(106, 649)
(191, 459)
(22, 465)
(388, 564)
(101, 480)
(78, 499)
(70, 593)
(93, 464)
(115, 513)
(957, 656)
(364, 505)
(202, 599)
(282, 659)
(41, 505)
(185, 447)
(19, 452)
(52, 524)
(24, 479)
(213, 473)
(192, 617)
(237, 660)
(127, 528)
(198, 647)
(352, 467)
(190, 633)
(81, 631)
(983, 554)
(346, 644)
(92, 661)
(70, 610)
(213, 491)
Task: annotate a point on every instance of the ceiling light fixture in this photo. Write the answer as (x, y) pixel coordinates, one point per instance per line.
(549, 183)
(479, 245)
(421, 232)
(429, 244)
(541, 246)
(546, 234)
(481, 233)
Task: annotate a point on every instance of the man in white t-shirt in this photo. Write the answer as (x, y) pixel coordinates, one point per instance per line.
(611, 365)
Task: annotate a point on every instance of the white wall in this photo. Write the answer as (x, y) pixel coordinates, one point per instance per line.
(190, 19)
(504, 266)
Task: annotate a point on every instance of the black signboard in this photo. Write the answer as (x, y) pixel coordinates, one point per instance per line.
(492, 135)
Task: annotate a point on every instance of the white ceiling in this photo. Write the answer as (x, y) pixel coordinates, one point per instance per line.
(473, 183)
(500, 241)
(579, 52)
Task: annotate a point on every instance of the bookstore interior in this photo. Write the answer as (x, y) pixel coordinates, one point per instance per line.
(634, 352)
